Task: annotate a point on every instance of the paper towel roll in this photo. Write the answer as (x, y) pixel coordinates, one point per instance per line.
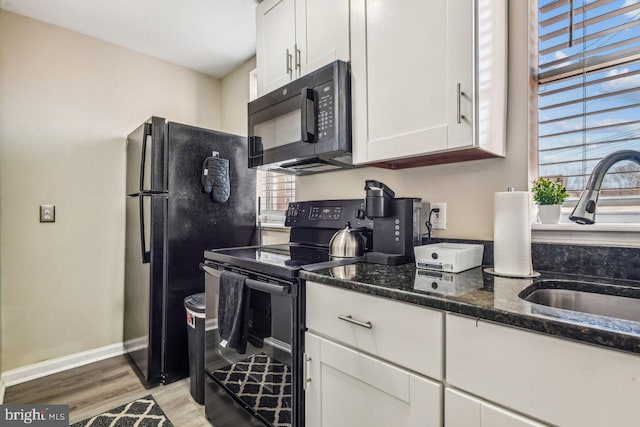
(512, 233)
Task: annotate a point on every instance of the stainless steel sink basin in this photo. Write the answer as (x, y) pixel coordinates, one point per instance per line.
(621, 302)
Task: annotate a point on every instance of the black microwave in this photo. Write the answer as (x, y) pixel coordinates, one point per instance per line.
(304, 127)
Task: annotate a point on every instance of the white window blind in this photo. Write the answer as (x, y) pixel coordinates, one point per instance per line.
(275, 191)
(589, 91)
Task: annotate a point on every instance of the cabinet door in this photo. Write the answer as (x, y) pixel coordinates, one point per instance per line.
(275, 36)
(348, 388)
(460, 71)
(322, 33)
(401, 82)
(461, 410)
(571, 381)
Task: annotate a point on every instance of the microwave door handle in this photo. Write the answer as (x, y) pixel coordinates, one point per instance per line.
(308, 116)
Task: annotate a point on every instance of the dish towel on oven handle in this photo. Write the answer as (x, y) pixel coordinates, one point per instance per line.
(233, 311)
(215, 177)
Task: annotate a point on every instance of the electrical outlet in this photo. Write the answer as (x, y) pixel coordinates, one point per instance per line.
(47, 213)
(439, 219)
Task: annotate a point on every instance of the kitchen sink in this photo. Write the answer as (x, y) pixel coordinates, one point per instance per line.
(621, 302)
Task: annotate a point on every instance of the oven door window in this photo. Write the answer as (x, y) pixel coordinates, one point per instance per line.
(259, 371)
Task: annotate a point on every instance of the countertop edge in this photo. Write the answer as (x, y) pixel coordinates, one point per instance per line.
(582, 333)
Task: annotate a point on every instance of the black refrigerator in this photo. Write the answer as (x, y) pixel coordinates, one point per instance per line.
(170, 221)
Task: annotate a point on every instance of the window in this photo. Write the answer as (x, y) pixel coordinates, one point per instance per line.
(275, 191)
(589, 92)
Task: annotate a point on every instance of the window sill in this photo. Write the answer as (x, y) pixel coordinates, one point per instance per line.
(274, 226)
(599, 234)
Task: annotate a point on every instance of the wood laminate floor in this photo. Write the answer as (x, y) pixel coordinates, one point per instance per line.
(95, 388)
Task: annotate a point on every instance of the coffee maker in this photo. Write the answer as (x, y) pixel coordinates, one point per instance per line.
(396, 224)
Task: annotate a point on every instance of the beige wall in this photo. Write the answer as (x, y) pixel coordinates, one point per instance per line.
(235, 96)
(67, 102)
(467, 187)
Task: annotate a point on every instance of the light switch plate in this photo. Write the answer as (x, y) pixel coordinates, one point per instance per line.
(47, 213)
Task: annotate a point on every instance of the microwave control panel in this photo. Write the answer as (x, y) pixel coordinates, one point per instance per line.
(325, 119)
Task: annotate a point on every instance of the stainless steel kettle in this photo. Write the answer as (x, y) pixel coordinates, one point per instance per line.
(346, 243)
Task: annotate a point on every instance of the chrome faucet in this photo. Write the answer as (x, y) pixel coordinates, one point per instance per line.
(585, 210)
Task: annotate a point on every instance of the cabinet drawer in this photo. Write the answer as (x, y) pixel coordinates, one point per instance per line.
(555, 380)
(403, 334)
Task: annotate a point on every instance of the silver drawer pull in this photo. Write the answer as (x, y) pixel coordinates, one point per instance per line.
(350, 319)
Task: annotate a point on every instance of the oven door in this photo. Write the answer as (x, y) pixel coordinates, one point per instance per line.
(256, 387)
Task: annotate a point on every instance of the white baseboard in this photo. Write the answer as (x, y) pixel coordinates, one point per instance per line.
(52, 366)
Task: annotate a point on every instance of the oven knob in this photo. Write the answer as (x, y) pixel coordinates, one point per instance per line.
(360, 213)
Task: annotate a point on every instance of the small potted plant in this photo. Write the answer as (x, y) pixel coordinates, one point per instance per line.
(549, 195)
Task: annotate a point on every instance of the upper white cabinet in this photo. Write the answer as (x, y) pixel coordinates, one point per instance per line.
(295, 37)
(429, 80)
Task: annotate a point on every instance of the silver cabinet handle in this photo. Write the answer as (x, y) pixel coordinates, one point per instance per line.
(289, 66)
(298, 61)
(305, 369)
(460, 95)
(350, 319)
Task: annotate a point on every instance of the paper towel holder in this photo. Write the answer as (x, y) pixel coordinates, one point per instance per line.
(491, 271)
(514, 276)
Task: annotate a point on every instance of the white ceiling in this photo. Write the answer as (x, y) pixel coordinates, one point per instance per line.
(210, 36)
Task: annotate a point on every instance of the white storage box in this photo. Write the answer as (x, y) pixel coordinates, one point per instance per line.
(449, 257)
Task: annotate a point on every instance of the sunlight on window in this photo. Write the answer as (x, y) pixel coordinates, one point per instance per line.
(589, 91)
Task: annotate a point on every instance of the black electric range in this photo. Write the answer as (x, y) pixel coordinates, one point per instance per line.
(235, 379)
(312, 224)
(283, 260)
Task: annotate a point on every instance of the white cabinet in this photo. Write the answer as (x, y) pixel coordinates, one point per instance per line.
(428, 81)
(462, 410)
(406, 334)
(295, 37)
(346, 388)
(551, 379)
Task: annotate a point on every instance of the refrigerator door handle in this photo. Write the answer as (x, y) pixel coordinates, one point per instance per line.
(146, 255)
(143, 155)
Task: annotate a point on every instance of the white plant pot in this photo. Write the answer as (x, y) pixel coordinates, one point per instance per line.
(549, 214)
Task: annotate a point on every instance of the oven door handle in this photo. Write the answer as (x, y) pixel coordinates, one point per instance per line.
(270, 288)
(210, 270)
(308, 116)
(258, 285)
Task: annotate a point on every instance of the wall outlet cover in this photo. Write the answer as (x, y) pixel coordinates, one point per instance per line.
(439, 219)
(47, 213)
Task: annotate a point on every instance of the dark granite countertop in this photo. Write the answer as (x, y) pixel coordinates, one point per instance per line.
(484, 296)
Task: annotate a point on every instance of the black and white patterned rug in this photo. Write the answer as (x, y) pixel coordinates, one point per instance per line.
(144, 412)
(262, 383)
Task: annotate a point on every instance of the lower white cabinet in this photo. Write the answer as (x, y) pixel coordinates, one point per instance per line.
(347, 388)
(555, 380)
(462, 410)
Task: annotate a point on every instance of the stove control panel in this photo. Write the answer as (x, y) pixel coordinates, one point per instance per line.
(330, 213)
(326, 214)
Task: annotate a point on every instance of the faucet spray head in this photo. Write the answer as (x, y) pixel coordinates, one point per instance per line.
(585, 211)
